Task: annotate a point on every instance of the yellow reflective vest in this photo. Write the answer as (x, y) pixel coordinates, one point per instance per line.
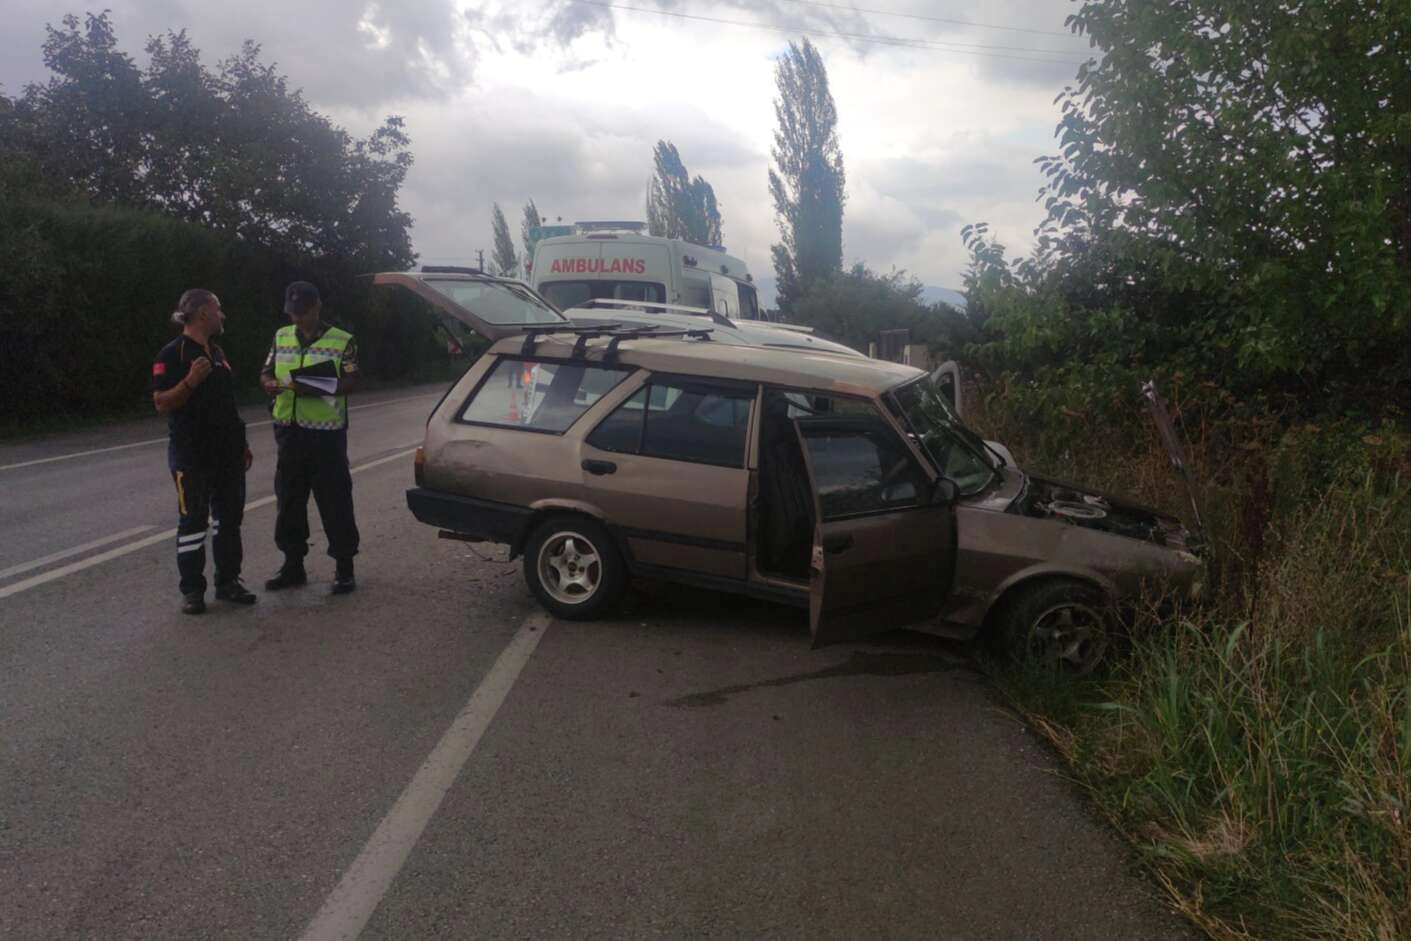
(323, 412)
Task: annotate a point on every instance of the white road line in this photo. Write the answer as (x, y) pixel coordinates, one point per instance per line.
(68, 457)
(347, 909)
(76, 550)
(151, 441)
(54, 574)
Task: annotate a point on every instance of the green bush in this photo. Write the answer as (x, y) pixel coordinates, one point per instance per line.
(87, 293)
(1257, 751)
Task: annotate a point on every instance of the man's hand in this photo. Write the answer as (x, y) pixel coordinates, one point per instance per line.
(200, 369)
(249, 459)
(270, 385)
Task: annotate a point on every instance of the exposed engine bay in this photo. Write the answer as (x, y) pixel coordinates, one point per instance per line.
(1046, 499)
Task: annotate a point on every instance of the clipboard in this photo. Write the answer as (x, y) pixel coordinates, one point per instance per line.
(321, 376)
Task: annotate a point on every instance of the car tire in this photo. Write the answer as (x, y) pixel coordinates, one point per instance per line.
(1062, 623)
(573, 567)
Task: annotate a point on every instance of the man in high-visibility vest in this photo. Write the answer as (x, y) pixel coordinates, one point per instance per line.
(311, 431)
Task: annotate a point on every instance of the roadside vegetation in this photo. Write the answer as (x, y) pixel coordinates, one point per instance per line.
(122, 185)
(1230, 214)
(1256, 751)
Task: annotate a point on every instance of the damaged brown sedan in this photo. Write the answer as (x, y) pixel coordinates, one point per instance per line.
(844, 485)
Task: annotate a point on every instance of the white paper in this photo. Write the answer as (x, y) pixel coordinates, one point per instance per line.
(318, 382)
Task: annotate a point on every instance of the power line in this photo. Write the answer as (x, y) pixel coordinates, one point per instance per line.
(930, 19)
(857, 37)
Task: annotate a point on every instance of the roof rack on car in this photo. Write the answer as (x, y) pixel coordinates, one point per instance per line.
(655, 305)
(532, 334)
(610, 357)
(617, 331)
(581, 347)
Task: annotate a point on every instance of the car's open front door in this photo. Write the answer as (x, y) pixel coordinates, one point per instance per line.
(884, 539)
(492, 307)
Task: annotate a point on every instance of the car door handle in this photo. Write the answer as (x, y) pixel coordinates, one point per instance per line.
(835, 544)
(600, 467)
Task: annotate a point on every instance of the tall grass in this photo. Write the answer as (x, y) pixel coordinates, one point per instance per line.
(1257, 751)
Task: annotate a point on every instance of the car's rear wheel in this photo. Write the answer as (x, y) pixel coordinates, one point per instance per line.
(1061, 623)
(573, 567)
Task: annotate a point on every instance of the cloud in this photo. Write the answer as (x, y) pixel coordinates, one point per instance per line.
(591, 159)
(403, 49)
(561, 101)
(525, 28)
(1019, 41)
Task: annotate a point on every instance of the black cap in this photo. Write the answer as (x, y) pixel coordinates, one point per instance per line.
(299, 296)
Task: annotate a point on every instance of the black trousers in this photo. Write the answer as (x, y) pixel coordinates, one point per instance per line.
(214, 498)
(313, 462)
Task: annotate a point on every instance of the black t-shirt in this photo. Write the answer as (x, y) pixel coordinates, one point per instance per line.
(207, 430)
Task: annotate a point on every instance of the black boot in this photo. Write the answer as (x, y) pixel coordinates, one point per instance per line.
(195, 603)
(234, 592)
(290, 574)
(343, 581)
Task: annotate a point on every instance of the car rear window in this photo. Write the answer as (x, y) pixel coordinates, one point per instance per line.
(538, 395)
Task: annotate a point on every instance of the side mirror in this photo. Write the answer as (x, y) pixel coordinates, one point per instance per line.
(944, 492)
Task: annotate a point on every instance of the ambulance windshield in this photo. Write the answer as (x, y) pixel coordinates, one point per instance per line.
(566, 294)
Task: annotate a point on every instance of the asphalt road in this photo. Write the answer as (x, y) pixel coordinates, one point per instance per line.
(432, 757)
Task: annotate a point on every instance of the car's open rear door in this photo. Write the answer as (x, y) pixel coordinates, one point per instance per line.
(884, 542)
(492, 307)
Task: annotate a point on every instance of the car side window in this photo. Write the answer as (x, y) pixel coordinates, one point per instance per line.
(538, 395)
(859, 465)
(622, 430)
(805, 405)
(703, 423)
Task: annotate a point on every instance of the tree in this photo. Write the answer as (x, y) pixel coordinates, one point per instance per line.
(504, 259)
(87, 123)
(807, 180)
(855, 306)
(1255, 159)
(234, 149)
(18, 174)
(679, 207)
(526, 230)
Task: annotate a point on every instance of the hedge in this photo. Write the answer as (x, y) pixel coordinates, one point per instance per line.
(86, 296)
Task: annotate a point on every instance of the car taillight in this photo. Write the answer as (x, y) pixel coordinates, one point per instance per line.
(419, 467)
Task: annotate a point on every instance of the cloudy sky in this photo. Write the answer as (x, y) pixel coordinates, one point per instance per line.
(942, 105)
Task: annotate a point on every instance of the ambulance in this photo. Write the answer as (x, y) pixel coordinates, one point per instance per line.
(617, 261)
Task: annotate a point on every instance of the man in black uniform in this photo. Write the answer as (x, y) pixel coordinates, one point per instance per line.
(192, 384)
(311, 432)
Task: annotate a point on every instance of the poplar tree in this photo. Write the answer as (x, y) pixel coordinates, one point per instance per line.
(807, 179)
(503, 257)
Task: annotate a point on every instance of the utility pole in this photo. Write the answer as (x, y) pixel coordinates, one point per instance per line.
(480, 256)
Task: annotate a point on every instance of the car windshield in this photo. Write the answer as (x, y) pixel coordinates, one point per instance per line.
(496, 302)
(959, 453)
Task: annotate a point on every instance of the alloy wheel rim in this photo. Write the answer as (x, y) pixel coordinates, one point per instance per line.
(570, 568)
(1071, 635)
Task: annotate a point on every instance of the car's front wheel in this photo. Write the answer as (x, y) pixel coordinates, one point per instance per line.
(1059, 622)
(573, 567)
